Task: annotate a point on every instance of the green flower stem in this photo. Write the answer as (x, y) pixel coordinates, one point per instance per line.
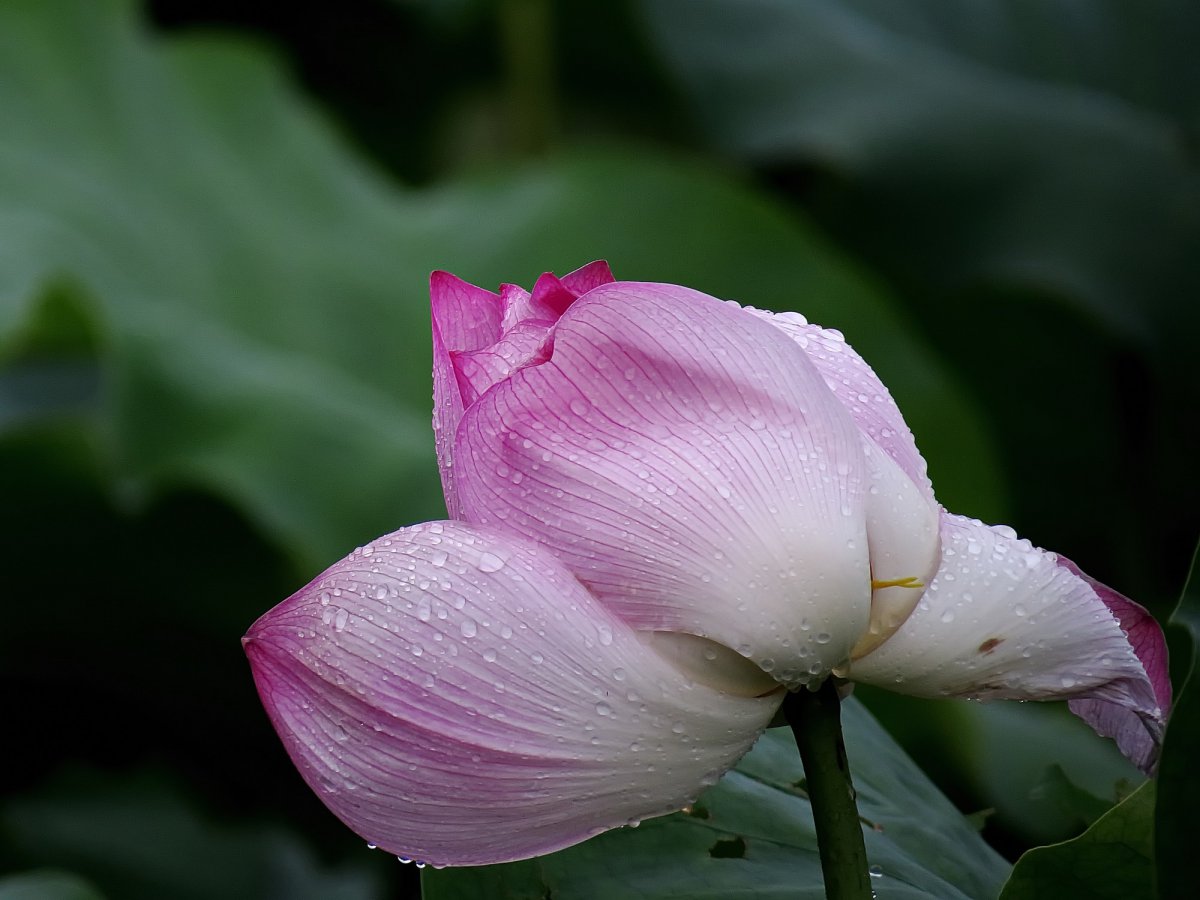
(816, 721)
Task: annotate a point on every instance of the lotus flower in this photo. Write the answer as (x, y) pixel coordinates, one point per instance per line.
(666, 510)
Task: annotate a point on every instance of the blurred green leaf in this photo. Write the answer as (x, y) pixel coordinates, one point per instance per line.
(1009, 747)
(752, 836)
(974, 147)
(1112, 860)
(1060, 792)
(259, 294)
(1179, 788)
(142, 839)
(1008, 758)
(46, 884)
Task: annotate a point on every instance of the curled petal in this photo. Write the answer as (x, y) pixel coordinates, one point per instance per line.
(1146, 638)
(1003, 619)
(688, 463)
(457, 697)
(902, 530)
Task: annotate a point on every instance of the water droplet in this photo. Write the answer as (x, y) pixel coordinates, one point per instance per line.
(948, 616)
(823, 637)
(489, 655)
(875, 871)
(603, 709)
(340, 619)
(490, 562)
(468, 628)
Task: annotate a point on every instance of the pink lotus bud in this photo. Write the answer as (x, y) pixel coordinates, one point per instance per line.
(668, 509)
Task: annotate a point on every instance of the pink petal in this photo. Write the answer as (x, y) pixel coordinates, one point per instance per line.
(456, 696)
(859, 389)
(464, 318)
(588, 277)
(1147, 640)
(478, 370)
(467, 317)
(688, 463)
(480, 338)
(552, 296)
(1003, 619)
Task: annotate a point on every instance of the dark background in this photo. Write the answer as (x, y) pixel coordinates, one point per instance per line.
(217, 219)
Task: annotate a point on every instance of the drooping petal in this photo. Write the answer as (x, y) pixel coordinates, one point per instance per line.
(689, 464)
(859, 389)
(456, 696)
(1003, 619)
(1146, 638)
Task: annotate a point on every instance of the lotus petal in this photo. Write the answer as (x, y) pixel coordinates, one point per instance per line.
(1003, 619)
(455, 696)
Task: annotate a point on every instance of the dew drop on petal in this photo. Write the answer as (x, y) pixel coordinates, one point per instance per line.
(490, 562)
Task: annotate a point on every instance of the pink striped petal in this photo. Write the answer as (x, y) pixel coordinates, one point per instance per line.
(689, 464)
(456, 696)
(1003, 619)
(478, 370)
(859, 389)
(1147, 640)
(464, 318)
(480, 338)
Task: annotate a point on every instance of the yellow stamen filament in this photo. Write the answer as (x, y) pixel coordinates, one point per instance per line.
(909, 582)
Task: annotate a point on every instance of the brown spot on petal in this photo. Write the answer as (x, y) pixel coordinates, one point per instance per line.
(990, 644)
